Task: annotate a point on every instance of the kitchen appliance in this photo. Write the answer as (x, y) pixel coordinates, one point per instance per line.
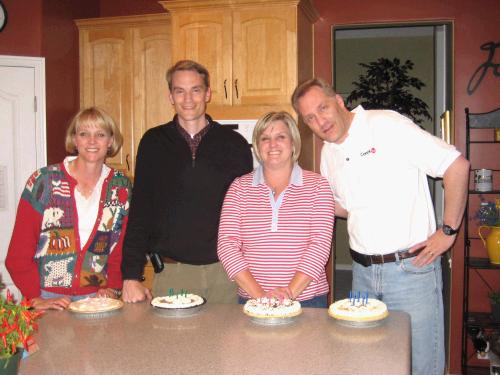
(245, 128)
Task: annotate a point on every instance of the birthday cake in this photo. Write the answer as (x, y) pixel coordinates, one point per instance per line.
(178, 301)
(95, 305)
(272, 308)
(358, 309)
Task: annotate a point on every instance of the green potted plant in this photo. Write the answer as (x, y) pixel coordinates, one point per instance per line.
(495, 305)
(386, 85)
(17, 324)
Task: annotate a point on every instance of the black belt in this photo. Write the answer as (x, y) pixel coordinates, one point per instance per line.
(368, 260)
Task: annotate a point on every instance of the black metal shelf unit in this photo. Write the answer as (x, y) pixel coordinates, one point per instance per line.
(482, 320)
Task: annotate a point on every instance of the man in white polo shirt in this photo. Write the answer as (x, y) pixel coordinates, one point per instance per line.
(377, 163)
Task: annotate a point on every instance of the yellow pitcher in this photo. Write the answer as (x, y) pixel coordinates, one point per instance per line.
(492, 243)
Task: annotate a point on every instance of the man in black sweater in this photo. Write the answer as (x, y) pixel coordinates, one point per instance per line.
(183, 171)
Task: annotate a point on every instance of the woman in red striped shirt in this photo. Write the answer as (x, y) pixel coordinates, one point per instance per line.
(276, 223)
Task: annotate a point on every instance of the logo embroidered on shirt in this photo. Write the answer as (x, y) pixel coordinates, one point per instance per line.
(370, 151)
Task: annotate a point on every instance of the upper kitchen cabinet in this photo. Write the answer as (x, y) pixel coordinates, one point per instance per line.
(123, 62)
(256, 51)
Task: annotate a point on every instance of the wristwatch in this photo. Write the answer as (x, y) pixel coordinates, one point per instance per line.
(449, 231)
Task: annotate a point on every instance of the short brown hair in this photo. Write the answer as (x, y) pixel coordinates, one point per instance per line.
(269, 118)
(188, 65)
(304, 87)
(99, 118)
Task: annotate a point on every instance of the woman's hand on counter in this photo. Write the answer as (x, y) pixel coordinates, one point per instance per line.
(134, 291)
(280, 293)
(109, 293)
(59, 303)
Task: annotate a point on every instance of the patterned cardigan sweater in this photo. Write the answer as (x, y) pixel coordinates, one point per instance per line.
(45, 250)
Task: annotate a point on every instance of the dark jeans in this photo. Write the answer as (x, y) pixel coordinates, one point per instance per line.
(318, 301)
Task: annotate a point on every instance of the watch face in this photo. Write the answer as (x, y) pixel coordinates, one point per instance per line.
(3, 16)
(449, 230)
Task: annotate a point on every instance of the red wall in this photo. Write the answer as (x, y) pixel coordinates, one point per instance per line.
(45, 28)
(22, 36)
(60, 49)
(475, 22)
(111, 8)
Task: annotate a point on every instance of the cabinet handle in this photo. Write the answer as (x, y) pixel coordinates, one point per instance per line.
(236, 87)
(225, 88)
(128, 164)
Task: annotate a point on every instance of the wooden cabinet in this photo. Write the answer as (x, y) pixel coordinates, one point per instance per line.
(123, 61)
(256, 51)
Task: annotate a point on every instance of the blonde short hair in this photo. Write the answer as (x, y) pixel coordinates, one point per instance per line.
(98, 117)
(271, 117)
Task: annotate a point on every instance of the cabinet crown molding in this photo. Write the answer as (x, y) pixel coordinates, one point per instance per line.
(123, 20)
(173, 6)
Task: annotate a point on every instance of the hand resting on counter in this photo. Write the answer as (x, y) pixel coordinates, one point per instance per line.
(134, 291)
(58, 303)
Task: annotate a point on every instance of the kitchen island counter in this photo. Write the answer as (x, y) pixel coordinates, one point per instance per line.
(220, 339)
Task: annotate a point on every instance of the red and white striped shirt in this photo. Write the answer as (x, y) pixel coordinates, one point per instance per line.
(275, 239)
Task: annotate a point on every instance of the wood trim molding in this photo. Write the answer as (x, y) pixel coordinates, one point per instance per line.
(187, 5)
(128, 21)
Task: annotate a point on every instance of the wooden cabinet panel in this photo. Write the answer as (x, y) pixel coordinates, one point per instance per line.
(206, 37)
(151, 61)
(249, 48)
(265, 55)
(123, 62)
(105, 82)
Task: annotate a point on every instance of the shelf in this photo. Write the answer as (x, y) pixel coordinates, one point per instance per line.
(477, 370)
(484, 192)
(482, 263)
(481, 319)
(477, 121)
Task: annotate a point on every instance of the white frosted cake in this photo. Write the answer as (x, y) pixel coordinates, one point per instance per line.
(178, 301)
(272, 308)
(360, 310)
(95, 305)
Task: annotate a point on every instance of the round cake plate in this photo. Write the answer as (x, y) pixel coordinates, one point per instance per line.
(273, 321)
(179, 313)
(353, 324)
(95, 314)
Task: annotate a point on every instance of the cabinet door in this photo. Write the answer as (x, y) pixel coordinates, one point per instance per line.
(105, 82)
(265, 55)
(152, 58)
(206, 37)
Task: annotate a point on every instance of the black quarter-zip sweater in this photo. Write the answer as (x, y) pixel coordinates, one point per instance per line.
(176, 201)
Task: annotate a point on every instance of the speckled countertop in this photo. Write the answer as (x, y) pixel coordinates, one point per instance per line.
(220, 339)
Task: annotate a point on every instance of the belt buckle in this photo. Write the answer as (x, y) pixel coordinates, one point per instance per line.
(378, 257)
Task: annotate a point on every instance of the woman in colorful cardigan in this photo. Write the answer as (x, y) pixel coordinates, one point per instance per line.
(71, 219)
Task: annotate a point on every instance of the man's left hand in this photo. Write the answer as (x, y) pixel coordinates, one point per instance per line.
(432, 248)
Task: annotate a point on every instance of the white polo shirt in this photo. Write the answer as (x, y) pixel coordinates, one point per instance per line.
(379, 175)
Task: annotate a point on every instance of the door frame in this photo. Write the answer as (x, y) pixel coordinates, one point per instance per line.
(38, 64)
(442, 38)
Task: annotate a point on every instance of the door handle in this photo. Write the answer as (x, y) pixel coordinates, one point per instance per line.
(447, 128)
(225, 88)
(236, 87)
(128, 164)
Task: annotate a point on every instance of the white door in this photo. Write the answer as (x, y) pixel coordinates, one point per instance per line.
(22, 138)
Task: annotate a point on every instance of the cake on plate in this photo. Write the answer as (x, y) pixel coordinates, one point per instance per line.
(95, 305)
(178, 301)
(358, 310)
(272, 308)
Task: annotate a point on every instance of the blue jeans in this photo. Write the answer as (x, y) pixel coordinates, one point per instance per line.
(45, 294)
(318, 301)
(417, 291)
